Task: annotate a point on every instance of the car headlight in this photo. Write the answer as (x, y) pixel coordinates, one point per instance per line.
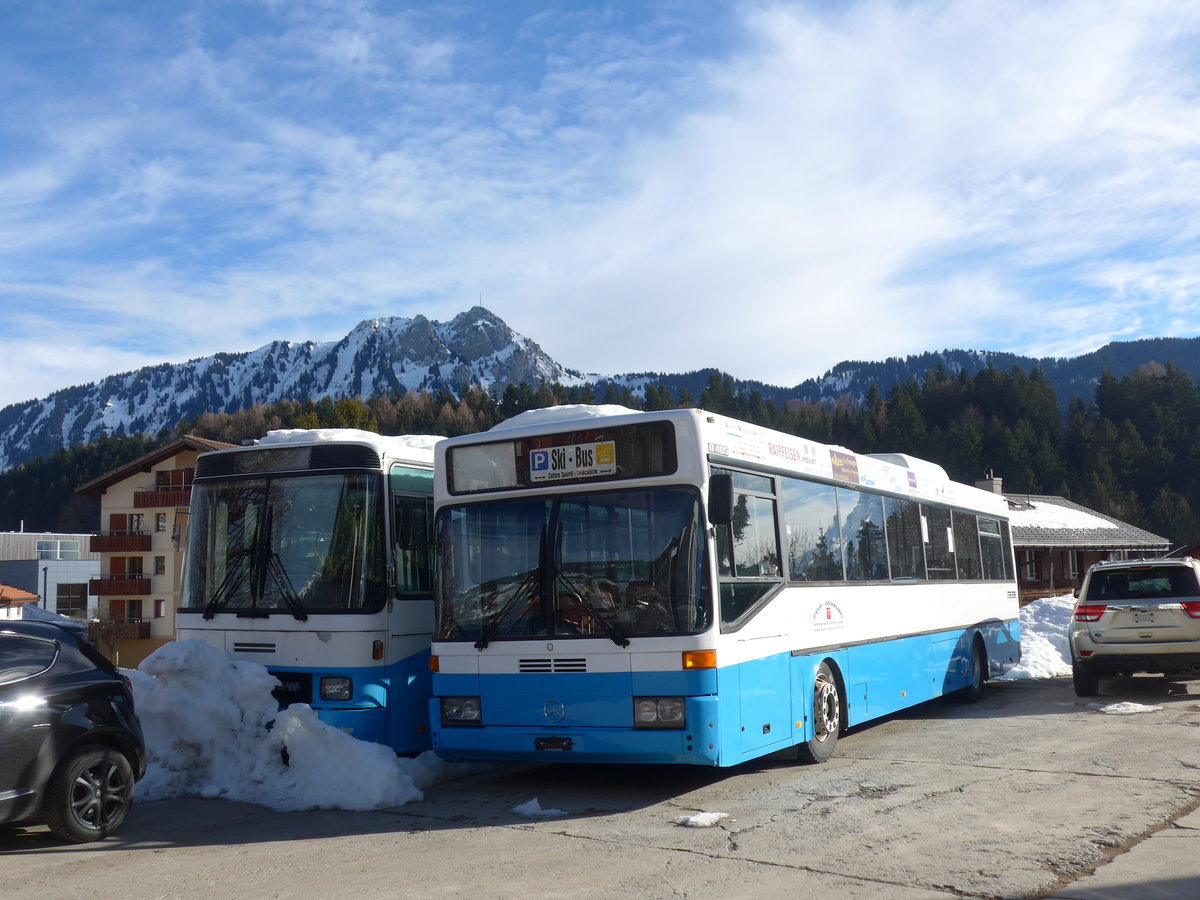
(461, 711)
(659, 712)
(336, 687)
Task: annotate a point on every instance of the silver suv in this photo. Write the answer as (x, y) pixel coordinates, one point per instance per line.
(1136, 616)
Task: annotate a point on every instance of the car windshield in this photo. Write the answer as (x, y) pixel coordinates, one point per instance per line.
(298, 544)
(615, 564)
(1142, 583)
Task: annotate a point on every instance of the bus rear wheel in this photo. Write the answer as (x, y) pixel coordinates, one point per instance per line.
(827, 718)
(977, 662)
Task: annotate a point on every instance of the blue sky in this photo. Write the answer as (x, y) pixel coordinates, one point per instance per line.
(765, 187)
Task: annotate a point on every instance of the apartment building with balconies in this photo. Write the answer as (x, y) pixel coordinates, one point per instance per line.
(143, 515)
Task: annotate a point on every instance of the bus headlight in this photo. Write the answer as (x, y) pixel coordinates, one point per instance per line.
(461, 711)
(659, 712)
(336, 687)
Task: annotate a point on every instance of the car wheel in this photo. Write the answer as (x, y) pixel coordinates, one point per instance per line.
(89, 794)
(827, 719)
(1087, 682)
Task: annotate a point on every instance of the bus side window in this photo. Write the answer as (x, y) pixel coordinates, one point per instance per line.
(748, 560)
(862, 532)
(412, 521)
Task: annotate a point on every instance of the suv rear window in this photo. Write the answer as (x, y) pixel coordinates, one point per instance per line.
(21, 657)
(1142, 583)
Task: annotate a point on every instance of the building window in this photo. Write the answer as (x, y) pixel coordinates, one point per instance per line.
(1076, 569)
(160, 521)
(1031, 565)
(177, 479)
(137, 523)
(58, 549)
(71, 600)
(158, 608)
(160, 565)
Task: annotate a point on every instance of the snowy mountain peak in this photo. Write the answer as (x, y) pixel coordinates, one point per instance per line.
(383, 355)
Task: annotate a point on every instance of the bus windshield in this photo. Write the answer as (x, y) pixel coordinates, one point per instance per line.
(614, 564)
(297, 544)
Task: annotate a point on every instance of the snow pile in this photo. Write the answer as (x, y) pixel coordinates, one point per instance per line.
(533, 810)
(1044, 649)
(566, 413)
(397, 443)
(701, 820)
(1126, 708)
(213, 729)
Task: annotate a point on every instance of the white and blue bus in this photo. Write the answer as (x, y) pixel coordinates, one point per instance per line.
(679, 587)
(310, 552)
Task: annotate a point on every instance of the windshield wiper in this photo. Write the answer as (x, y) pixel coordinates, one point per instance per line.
(232, 579)
(615, 634)
(524, 589)
(556, 574)
(279, 574)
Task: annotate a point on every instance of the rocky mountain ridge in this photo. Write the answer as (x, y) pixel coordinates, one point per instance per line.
(475, 348)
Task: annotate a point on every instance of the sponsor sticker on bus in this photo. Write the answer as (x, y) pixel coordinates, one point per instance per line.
(573, 461)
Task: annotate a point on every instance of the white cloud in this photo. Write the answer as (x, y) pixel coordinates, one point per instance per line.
(771, 193)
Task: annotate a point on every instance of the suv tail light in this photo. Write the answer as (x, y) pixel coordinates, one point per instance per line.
(1091, 612)
(1191, 607)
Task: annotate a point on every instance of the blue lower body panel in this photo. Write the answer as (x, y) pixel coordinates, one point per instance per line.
(390, 704)
(733, 714)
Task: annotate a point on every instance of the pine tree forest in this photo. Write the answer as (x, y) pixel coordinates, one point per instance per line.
(1133, 452)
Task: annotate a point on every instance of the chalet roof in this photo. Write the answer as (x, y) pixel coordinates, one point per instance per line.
(1043, 521)
(10, 596)
(146, 462)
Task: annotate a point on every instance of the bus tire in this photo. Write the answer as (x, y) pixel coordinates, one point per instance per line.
(979, 666)
(828, 717)
(1087, 682)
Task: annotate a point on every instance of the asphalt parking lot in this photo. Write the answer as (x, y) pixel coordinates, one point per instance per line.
(1032, 792)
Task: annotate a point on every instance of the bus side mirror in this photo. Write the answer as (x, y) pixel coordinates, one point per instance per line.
(720, 499)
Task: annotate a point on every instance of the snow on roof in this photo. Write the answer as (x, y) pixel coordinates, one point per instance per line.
(1048, 521)
(565, 413)
(325, 435)
(1052, 515)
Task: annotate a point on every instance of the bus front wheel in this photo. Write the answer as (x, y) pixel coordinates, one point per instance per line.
(827, 718)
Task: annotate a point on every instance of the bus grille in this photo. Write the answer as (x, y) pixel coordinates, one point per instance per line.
(244, 647)
(551, 664)
(294, 687)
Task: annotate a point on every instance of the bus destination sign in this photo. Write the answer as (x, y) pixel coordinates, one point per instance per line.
(573, 461)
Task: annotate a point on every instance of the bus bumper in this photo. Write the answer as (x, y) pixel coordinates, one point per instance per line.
(696, 744)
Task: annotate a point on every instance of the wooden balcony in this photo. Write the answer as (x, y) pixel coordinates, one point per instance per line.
(120, 542)
(119, 586)
(147, 498)
(108, 631)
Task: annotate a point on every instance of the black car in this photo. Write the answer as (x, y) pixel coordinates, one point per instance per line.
(71, 747)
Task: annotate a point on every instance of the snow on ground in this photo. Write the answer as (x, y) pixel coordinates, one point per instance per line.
(213, 730)
(1044, 650)
(1125, 708)
(533, 810)
(207, 720)
(701, 820)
